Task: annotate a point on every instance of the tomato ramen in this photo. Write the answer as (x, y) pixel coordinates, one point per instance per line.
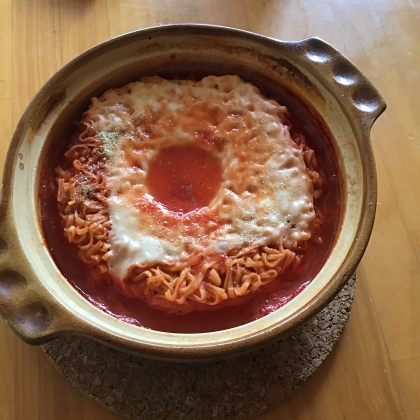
(190, 195)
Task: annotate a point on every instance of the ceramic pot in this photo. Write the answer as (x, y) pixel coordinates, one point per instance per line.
(39, 303)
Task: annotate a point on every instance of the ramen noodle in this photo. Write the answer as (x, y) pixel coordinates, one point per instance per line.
(188, 193)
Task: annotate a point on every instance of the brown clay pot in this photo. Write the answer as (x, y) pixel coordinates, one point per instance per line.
(37, 301)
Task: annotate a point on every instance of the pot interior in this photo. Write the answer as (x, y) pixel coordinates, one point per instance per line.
(280, 70)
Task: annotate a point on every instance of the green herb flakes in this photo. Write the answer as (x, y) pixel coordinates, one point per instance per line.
(109, 141)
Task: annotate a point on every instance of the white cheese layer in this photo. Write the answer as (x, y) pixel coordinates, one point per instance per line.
(132, 246)
(265, 194)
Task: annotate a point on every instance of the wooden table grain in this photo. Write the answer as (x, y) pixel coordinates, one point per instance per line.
(374, 371)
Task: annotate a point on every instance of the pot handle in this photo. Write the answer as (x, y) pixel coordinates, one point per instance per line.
(30, 318)
(28, 307)
(34, 318)
(344, 79)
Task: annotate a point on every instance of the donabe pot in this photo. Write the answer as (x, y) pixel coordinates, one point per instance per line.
(39, 303)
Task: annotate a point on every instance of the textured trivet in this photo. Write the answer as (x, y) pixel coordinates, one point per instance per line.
(236, 388)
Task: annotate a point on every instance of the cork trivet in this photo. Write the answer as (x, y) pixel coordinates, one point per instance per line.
(237, 388)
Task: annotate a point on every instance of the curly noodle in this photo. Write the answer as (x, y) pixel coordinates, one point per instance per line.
(83, 207)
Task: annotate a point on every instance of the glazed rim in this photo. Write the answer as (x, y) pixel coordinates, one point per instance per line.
(39, 303)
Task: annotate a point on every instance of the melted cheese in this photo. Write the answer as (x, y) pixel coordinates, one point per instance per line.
(265, 193)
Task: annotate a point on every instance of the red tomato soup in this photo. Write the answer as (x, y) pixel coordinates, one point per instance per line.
(184, 178)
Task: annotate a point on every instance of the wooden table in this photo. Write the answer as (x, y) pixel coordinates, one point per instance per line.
(374, 371)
